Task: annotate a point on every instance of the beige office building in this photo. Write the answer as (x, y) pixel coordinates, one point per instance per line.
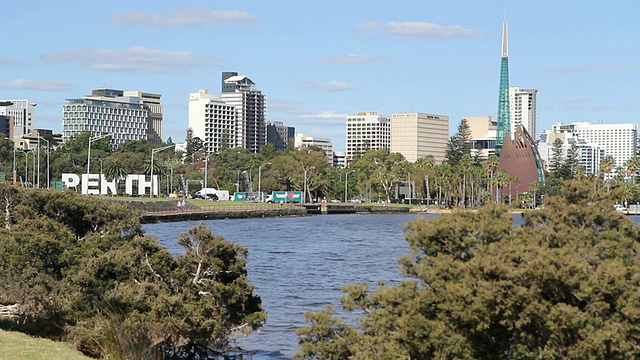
(483, 135)
(416, 135)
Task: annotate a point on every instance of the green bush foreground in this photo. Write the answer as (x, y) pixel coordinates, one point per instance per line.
(80, 269)
(565, 285)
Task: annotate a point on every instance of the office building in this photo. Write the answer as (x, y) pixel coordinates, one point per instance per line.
(152, 103)
(617, 140)
(416, 135)
(107, 111)
(589, 154)
(367, 131)
(251, 110)
(306, 140)
(21, 112)
(522, 109)
(212, 120)
(483, 135)
(339, 159)
(280, 135)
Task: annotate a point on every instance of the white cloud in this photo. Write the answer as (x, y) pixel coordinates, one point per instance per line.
(415, 29)
(38, 85)
(134, 59)
(352, 58)
(331, 86)
(185, 16)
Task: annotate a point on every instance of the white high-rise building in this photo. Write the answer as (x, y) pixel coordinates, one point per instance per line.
(415, 135)
(522, 109)
(212, 120)
(251, 110)
(107, 111)
(367, 131)
(302, 140)
(618, 140)
(22, 112)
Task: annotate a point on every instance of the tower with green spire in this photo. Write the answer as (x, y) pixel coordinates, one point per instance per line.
(504, 122)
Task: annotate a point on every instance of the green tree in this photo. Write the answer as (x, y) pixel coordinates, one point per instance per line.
(459, 144)
(561, 286)
(607, 164)
(80, 267)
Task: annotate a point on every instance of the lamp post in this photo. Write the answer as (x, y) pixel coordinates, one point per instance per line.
(304, 193)
(14, 167)
(26, 165)
(260, 179)
(206, 170)
(92, 139)
(48, 155)
(346, 185)
(99, 159)
(153, 152)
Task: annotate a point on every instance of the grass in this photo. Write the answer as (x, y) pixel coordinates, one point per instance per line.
(16, 345)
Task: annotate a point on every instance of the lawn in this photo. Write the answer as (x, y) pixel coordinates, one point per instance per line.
(16, 345)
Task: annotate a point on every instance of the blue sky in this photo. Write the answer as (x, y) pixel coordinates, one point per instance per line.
(319, 61)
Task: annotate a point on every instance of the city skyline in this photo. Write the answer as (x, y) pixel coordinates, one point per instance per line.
(319, 63)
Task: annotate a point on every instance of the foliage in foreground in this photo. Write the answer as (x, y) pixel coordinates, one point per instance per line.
(562, 286)
(77, 267)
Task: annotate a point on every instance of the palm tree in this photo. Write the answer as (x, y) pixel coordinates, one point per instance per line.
(534, 187)
(606, 165)
(632, 165)
(489, 167)
(114, 169)
(499, 180)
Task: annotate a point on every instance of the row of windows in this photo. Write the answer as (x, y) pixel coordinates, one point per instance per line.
(123, 124)
(105, 110)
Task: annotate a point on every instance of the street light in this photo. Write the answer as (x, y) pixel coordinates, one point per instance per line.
(206, 170)
(153, 151)
(48, 155)
(304, 193)
(346, 185)
(26, 165)
(92, 139)
(100, 159)
(260, 179)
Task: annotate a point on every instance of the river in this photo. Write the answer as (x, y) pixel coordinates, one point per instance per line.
(300, 264)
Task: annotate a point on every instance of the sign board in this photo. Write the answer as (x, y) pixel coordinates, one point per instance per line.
(95, 184)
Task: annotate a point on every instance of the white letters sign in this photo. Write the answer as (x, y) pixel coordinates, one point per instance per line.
(92, 184)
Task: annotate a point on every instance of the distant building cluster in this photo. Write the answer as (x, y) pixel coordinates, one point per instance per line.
(237, 118)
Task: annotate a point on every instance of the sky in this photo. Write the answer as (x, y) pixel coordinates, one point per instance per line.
(318, 62)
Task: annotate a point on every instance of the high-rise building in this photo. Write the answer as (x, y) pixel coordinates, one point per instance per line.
(212, 120)
(522, 109)
(280, 135)
(21, 112)
(367, 131)
(152, 102)
(251, 110)
(589, 154)
(415, 135)
(108, 111)
(306, 140)
(617, 140)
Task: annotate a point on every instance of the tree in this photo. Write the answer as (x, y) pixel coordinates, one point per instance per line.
(459, 144)
(386, 169)
(607, 164)
(561, 286)
(81, 267)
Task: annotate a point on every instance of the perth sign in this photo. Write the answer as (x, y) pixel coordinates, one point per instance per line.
(95, 184)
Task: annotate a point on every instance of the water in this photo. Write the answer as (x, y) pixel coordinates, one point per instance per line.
(300, 264)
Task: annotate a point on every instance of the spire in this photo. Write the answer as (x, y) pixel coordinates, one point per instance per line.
(505, 37)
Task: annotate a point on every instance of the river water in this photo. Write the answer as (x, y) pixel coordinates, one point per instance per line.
(300, 264)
